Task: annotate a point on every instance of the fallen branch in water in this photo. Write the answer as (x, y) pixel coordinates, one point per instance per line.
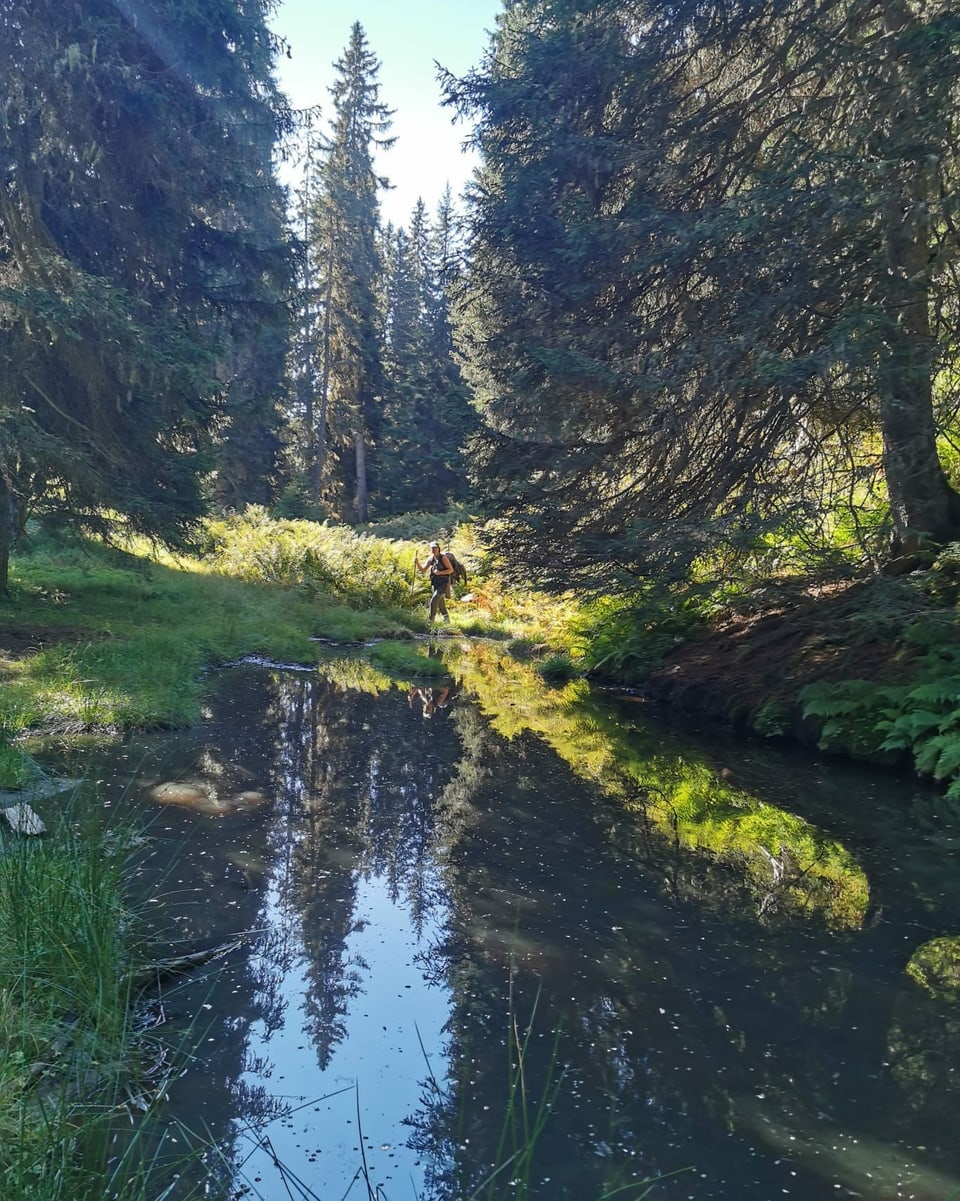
(177, 965)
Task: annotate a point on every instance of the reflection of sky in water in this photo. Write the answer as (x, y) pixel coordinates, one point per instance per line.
(379, 1066)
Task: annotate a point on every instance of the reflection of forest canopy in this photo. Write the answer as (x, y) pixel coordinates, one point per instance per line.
(635, 1018)
(785, 863)
(513, 833)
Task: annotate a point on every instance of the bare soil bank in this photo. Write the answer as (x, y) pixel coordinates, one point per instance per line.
(747, 672)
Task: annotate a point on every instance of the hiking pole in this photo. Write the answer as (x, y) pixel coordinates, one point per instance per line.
(413, 577)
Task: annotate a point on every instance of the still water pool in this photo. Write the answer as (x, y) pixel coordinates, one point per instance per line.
(492, 937)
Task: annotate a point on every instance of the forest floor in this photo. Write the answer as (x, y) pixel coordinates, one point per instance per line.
(755, 664)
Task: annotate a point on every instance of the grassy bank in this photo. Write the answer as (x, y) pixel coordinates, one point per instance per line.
(71, 1062)
(97, 638)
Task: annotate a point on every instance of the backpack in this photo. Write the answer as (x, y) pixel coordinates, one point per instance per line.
(459, 571)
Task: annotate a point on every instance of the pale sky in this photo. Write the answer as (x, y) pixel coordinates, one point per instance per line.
(406, 36)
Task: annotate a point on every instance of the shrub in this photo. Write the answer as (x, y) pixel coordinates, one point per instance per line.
(627, 638)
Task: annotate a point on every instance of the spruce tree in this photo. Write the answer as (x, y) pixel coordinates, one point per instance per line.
(428, 417)
(712, 248)
(346, 251)
(137, 224)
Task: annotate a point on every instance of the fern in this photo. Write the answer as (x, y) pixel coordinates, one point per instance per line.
(948, 763)
(936, 691)
(917, 723)
(926, 754)
(897, 739)
(839, 700)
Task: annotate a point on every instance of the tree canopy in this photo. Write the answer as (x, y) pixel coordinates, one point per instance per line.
(139, 231)
(713, 273)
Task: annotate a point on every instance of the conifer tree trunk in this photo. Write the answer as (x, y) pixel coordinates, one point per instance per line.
(7, 531)
(320, 437)
(922, 503)
(361, 450)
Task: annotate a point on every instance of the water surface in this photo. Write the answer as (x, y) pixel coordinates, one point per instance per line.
(704, 953)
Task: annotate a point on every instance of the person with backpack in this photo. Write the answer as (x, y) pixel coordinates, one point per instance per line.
(441, 574)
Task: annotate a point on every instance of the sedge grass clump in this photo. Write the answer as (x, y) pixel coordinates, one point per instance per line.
(16, 768)
(65, 956)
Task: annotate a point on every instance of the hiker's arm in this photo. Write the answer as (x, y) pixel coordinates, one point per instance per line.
(448, 570)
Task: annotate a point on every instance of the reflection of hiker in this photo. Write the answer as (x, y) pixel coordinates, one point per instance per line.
(431, 699)
(443, 698)
(426, 697)
(441, 573)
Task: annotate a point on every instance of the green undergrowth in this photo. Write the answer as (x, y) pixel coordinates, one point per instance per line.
(623, 639)
(912, 712)
(685, 801)
(119, 638)
(407, 660)
(122, 639)
(373, 568)
(919, 719)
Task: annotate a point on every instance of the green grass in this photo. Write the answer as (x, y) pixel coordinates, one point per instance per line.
(70, 1057)
(137, 634)
(401, 658)
(125, 635)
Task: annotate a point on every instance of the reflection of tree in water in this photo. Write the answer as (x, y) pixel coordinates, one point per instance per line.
(510, 864)
(924, 1049)
(368, 789)
(212, 874)
(676, 1010)
(671, 1014)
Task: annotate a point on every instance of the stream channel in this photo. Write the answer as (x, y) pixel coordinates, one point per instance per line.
(725, 965)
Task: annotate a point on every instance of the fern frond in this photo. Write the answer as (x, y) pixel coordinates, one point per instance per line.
(927, 754)
(948, 763)
(936, 692)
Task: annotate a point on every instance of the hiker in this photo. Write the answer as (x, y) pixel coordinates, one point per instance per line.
(441, 573)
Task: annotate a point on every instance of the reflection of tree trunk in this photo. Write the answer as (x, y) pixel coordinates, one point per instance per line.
(13, 518)
(361, 476)
(869, 1009)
